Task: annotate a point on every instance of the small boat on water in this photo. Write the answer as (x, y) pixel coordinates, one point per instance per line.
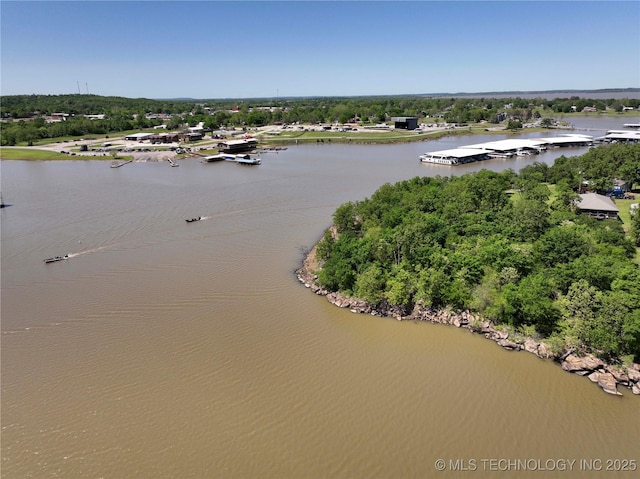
(191, 220)
(56, 258)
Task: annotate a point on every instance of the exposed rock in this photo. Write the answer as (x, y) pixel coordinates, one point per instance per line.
(575, 364)
(531, 345)
(544, 351)
(497, 335)
(485, 327)
(608, 383)
(606, 376)
(507, 344)
(620, 376)
(633, 375)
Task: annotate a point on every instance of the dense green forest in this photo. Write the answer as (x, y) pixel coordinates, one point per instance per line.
(500, 244)
(24, 116)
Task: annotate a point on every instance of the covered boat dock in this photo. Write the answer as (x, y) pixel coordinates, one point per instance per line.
(620, 136)
(504, 149)
(455, 156)
(512, 147)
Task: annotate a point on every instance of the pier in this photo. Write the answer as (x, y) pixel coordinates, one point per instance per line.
(115, 164)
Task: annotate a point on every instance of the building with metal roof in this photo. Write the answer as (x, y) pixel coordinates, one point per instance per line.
(597, 206)
(138, 136)
(455, 156)
(511, 147)
(233, 146)
(506, 149)
(617, 136)
(568, 140)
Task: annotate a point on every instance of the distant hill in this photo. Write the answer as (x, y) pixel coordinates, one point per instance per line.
(548, 94)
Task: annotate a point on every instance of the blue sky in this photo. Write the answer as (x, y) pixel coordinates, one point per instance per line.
(242, 49)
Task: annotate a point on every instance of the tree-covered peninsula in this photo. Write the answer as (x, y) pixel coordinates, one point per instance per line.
(509, 247)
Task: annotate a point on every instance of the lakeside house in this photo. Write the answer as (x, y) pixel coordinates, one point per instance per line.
(597, 206)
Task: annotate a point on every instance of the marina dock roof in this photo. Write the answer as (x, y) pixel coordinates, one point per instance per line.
(508, 145)
(624, 135)
(532, 143)
(567, 140)
(506, 148)
(462, 152)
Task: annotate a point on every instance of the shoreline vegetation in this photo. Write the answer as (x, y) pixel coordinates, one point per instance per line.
(62, 123)
(606, 376)
(507, 255)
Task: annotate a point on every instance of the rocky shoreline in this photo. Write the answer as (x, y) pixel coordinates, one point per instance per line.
(607, 376)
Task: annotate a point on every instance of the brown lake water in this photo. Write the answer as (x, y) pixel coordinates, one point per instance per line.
(165, 349)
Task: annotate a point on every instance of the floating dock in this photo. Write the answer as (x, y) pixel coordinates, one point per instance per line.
(504, 149)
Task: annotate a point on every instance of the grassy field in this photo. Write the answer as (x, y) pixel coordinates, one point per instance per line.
(33, 154)
(625, 206)
(97, 138)
(43, 155)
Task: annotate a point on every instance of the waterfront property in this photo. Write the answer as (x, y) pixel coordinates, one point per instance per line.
(620, 136)
(234, 146)
(511, 147)
(503, 149)
(455, 156)
(597, 206)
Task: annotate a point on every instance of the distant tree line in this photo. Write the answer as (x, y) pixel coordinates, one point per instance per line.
(499, 244)
(122, 114)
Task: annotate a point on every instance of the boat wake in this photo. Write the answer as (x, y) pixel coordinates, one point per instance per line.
(89, 251)
(221, 215)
